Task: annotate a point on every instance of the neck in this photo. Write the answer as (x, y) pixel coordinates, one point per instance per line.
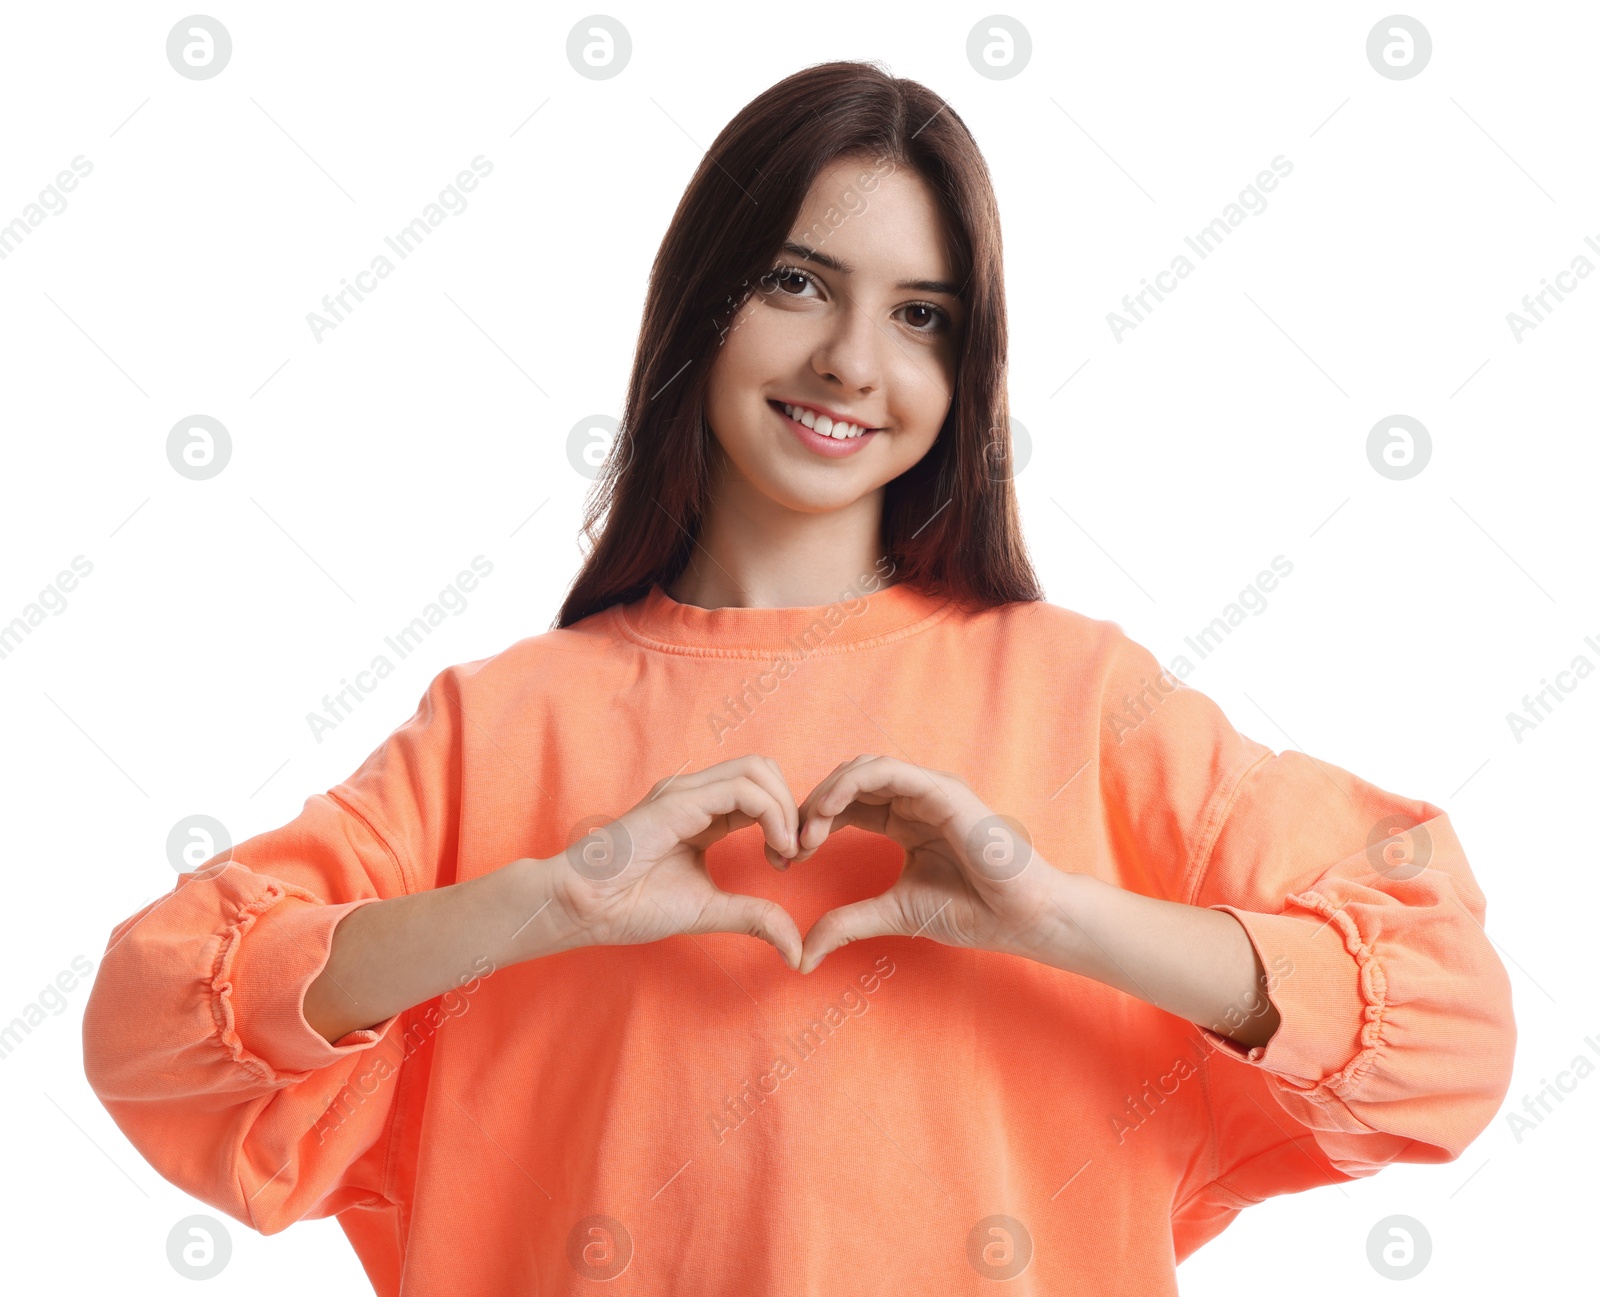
(753, 552)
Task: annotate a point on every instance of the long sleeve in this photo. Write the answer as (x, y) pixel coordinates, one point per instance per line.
(194, 1036)
(1396, 1035)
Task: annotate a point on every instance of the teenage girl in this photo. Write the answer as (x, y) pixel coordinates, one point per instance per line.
(1054, 971)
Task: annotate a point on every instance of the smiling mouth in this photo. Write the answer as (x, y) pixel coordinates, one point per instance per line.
(820, 424)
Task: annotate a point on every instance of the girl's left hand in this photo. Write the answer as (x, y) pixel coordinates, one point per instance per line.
(971, 877)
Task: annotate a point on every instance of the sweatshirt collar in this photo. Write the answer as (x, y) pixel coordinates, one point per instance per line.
(854, 620)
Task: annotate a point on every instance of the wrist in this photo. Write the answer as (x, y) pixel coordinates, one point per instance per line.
(1055, 939)
(532, 914)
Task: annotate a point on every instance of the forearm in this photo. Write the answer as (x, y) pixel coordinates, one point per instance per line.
(395, 953)
(1193, 962)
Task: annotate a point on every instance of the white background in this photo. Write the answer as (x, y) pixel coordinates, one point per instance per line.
(370, 467)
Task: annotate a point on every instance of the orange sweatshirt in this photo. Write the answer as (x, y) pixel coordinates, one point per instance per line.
(691, 1116)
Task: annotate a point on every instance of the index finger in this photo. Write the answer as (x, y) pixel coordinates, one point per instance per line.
(873, 782)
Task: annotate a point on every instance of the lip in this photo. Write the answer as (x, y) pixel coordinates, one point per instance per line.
(822, 409)
(815, 442)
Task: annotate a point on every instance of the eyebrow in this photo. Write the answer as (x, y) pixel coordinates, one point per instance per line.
(844, 268)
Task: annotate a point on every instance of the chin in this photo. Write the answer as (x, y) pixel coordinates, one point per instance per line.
(798, 497)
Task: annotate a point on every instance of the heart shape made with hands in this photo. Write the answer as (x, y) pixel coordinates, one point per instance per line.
(971, 877)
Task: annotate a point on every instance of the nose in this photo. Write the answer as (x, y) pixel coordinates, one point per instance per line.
(849, 352)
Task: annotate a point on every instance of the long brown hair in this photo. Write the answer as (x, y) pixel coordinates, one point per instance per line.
(950, 522)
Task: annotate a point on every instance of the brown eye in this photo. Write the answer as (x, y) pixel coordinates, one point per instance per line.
(780, 275)
(937, 319)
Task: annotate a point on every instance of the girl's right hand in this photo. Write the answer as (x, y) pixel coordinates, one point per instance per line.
(643, 876)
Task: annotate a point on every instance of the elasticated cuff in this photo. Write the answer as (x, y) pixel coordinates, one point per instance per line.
(278, 946)
(1328, 988)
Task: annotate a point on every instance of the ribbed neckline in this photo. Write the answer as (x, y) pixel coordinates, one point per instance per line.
(851, 622)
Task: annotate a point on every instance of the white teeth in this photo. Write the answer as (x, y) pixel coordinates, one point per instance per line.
(822, 423)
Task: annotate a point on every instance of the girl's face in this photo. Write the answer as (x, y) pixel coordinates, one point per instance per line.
(860, 321)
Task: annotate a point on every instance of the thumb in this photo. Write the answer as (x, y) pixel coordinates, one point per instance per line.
(736, 912)
(869, 918)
